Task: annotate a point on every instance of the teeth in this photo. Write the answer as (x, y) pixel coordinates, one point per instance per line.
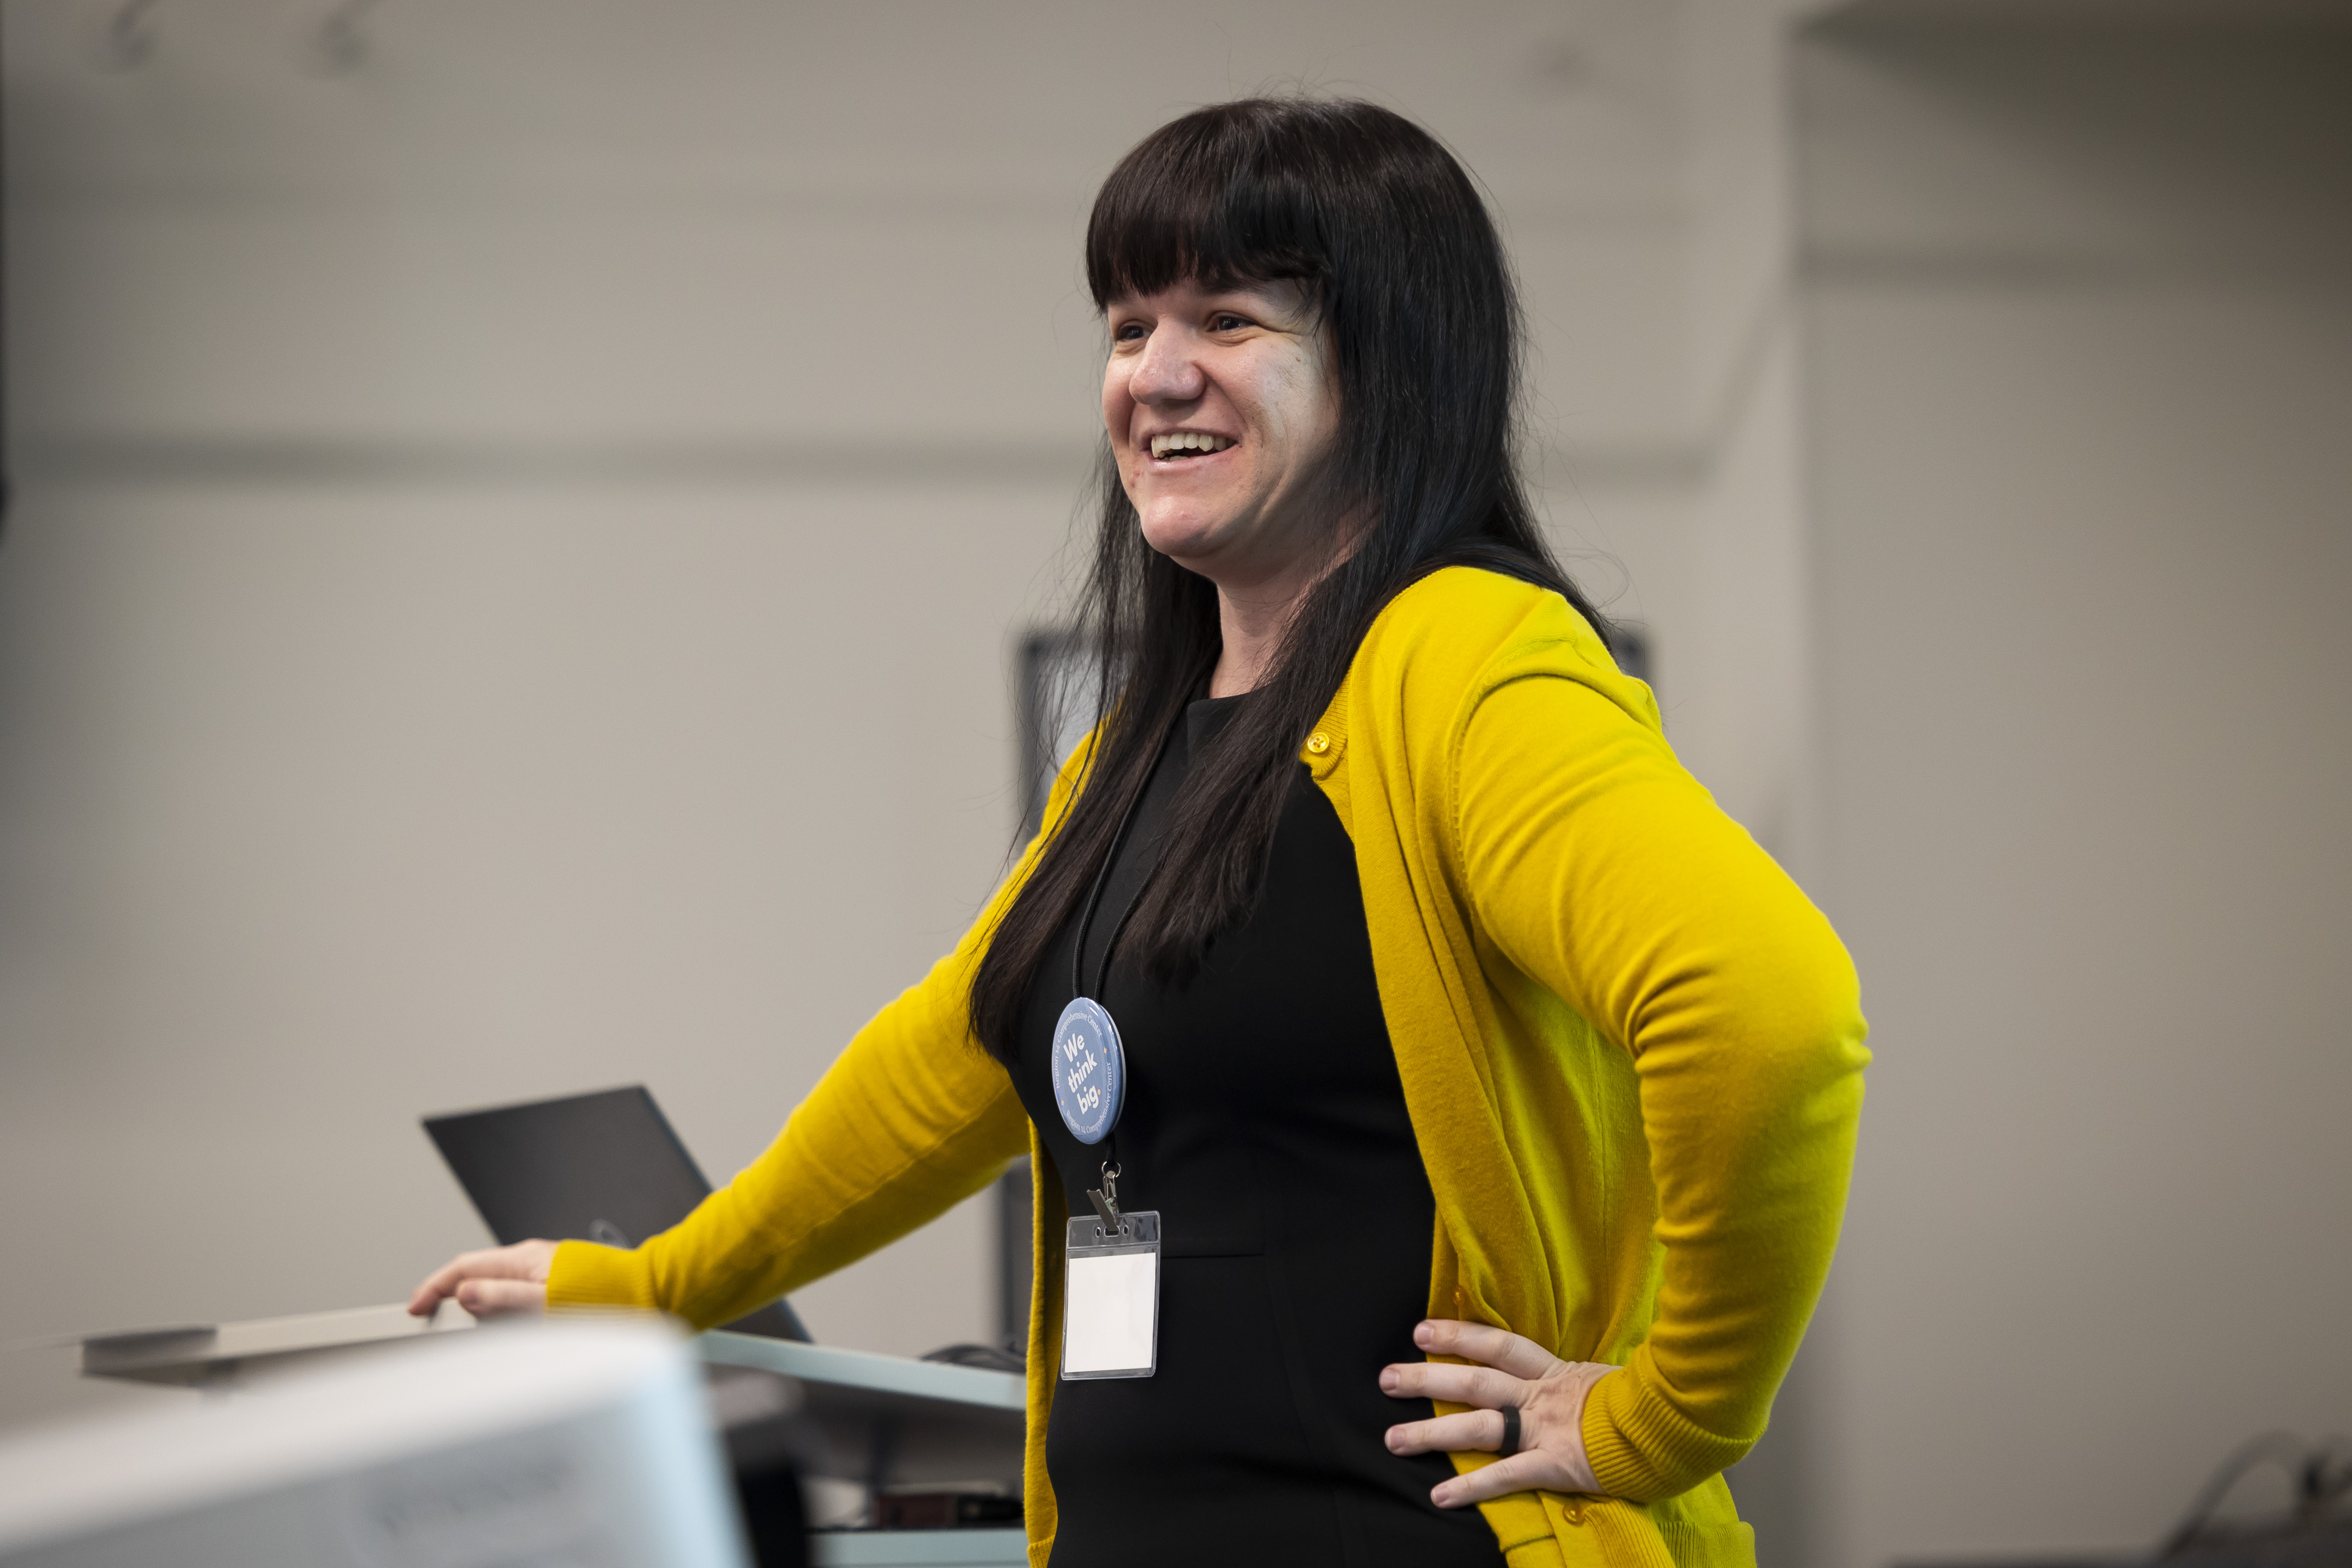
(1188, 441)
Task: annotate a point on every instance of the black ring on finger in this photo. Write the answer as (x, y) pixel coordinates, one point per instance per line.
(1510, 1444)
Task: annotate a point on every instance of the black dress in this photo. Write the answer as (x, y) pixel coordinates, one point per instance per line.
(1265, 1121)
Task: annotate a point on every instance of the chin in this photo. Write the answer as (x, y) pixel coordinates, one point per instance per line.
(1181, 539)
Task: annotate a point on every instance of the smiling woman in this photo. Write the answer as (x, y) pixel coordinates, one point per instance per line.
(1454, 1107)
(1320, 284)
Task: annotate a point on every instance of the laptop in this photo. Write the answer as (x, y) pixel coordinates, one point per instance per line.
(604, 1168)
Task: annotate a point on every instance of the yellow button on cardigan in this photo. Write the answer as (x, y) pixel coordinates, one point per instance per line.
(1631, 1048)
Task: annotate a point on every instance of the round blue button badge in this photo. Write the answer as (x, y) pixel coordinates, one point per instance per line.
(1089, 1070)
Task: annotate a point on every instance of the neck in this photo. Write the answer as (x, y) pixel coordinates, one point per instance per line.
(1251, 622)
(1254, 614)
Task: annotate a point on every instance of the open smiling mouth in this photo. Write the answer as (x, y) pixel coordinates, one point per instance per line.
(1183, 446)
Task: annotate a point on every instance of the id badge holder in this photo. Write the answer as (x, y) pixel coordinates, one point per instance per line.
(1110, 1296)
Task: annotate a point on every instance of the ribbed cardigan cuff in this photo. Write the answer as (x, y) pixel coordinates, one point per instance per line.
(1643, 1448)
(586, 1275)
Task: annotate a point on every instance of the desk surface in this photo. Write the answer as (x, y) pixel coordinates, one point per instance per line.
(917, 1549)
(886, 1419)
(200, 1353)
(190, 1353)
(865, 1371)
(881, 1416)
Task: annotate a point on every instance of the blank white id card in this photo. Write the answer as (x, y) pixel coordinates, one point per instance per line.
(1110, 1298)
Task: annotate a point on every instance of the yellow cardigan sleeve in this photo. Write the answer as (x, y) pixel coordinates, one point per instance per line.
(910, 1120)
(1601, 868)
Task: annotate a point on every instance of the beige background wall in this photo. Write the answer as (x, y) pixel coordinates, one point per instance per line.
(1742, 684)
(2078, 340)
(520, 548)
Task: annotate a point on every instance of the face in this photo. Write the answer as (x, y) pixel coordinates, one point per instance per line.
(1220, 404)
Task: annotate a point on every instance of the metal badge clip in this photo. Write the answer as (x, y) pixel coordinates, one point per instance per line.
(1106, 1199)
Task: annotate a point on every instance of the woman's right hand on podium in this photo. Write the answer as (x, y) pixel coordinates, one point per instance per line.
(491, 1282)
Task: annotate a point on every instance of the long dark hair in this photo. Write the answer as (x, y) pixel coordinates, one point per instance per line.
(1389, 237)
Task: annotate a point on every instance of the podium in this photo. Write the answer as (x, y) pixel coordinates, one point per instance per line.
(878, 1420)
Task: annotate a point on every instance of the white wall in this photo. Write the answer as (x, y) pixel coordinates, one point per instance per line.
(1742, 725)
(1742, 683)
(2078, 349)
(519, 546)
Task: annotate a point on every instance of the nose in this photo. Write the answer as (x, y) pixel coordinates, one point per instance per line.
(1169, 370)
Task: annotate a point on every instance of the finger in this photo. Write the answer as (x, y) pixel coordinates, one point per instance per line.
(490, 1263)
(1481, 1429)
(1514, 1354)
(1521, 1472)
(439, 1285)
(523, 1260)
(1459, 1384)
(490, 1298)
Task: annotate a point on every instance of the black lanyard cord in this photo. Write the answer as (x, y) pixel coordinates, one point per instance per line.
(1102, 880)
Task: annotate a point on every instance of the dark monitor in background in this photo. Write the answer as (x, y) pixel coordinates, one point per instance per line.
(604, 1168)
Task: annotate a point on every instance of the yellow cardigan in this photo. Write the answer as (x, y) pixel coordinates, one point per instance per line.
(1631, 1048)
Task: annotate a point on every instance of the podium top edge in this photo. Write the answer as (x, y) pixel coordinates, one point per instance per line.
(867, 1370)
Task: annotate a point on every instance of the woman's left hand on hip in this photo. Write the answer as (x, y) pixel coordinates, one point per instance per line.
(1548, 1393)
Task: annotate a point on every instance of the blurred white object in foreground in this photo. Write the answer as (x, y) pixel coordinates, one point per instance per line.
(582, 1444)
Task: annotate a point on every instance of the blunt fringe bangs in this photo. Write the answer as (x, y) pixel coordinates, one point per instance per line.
(1391, 240)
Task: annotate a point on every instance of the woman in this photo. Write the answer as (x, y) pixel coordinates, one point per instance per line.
(1471, 1055)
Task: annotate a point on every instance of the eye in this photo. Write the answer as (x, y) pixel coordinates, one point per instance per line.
(1227, 321)
(1129, 332)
